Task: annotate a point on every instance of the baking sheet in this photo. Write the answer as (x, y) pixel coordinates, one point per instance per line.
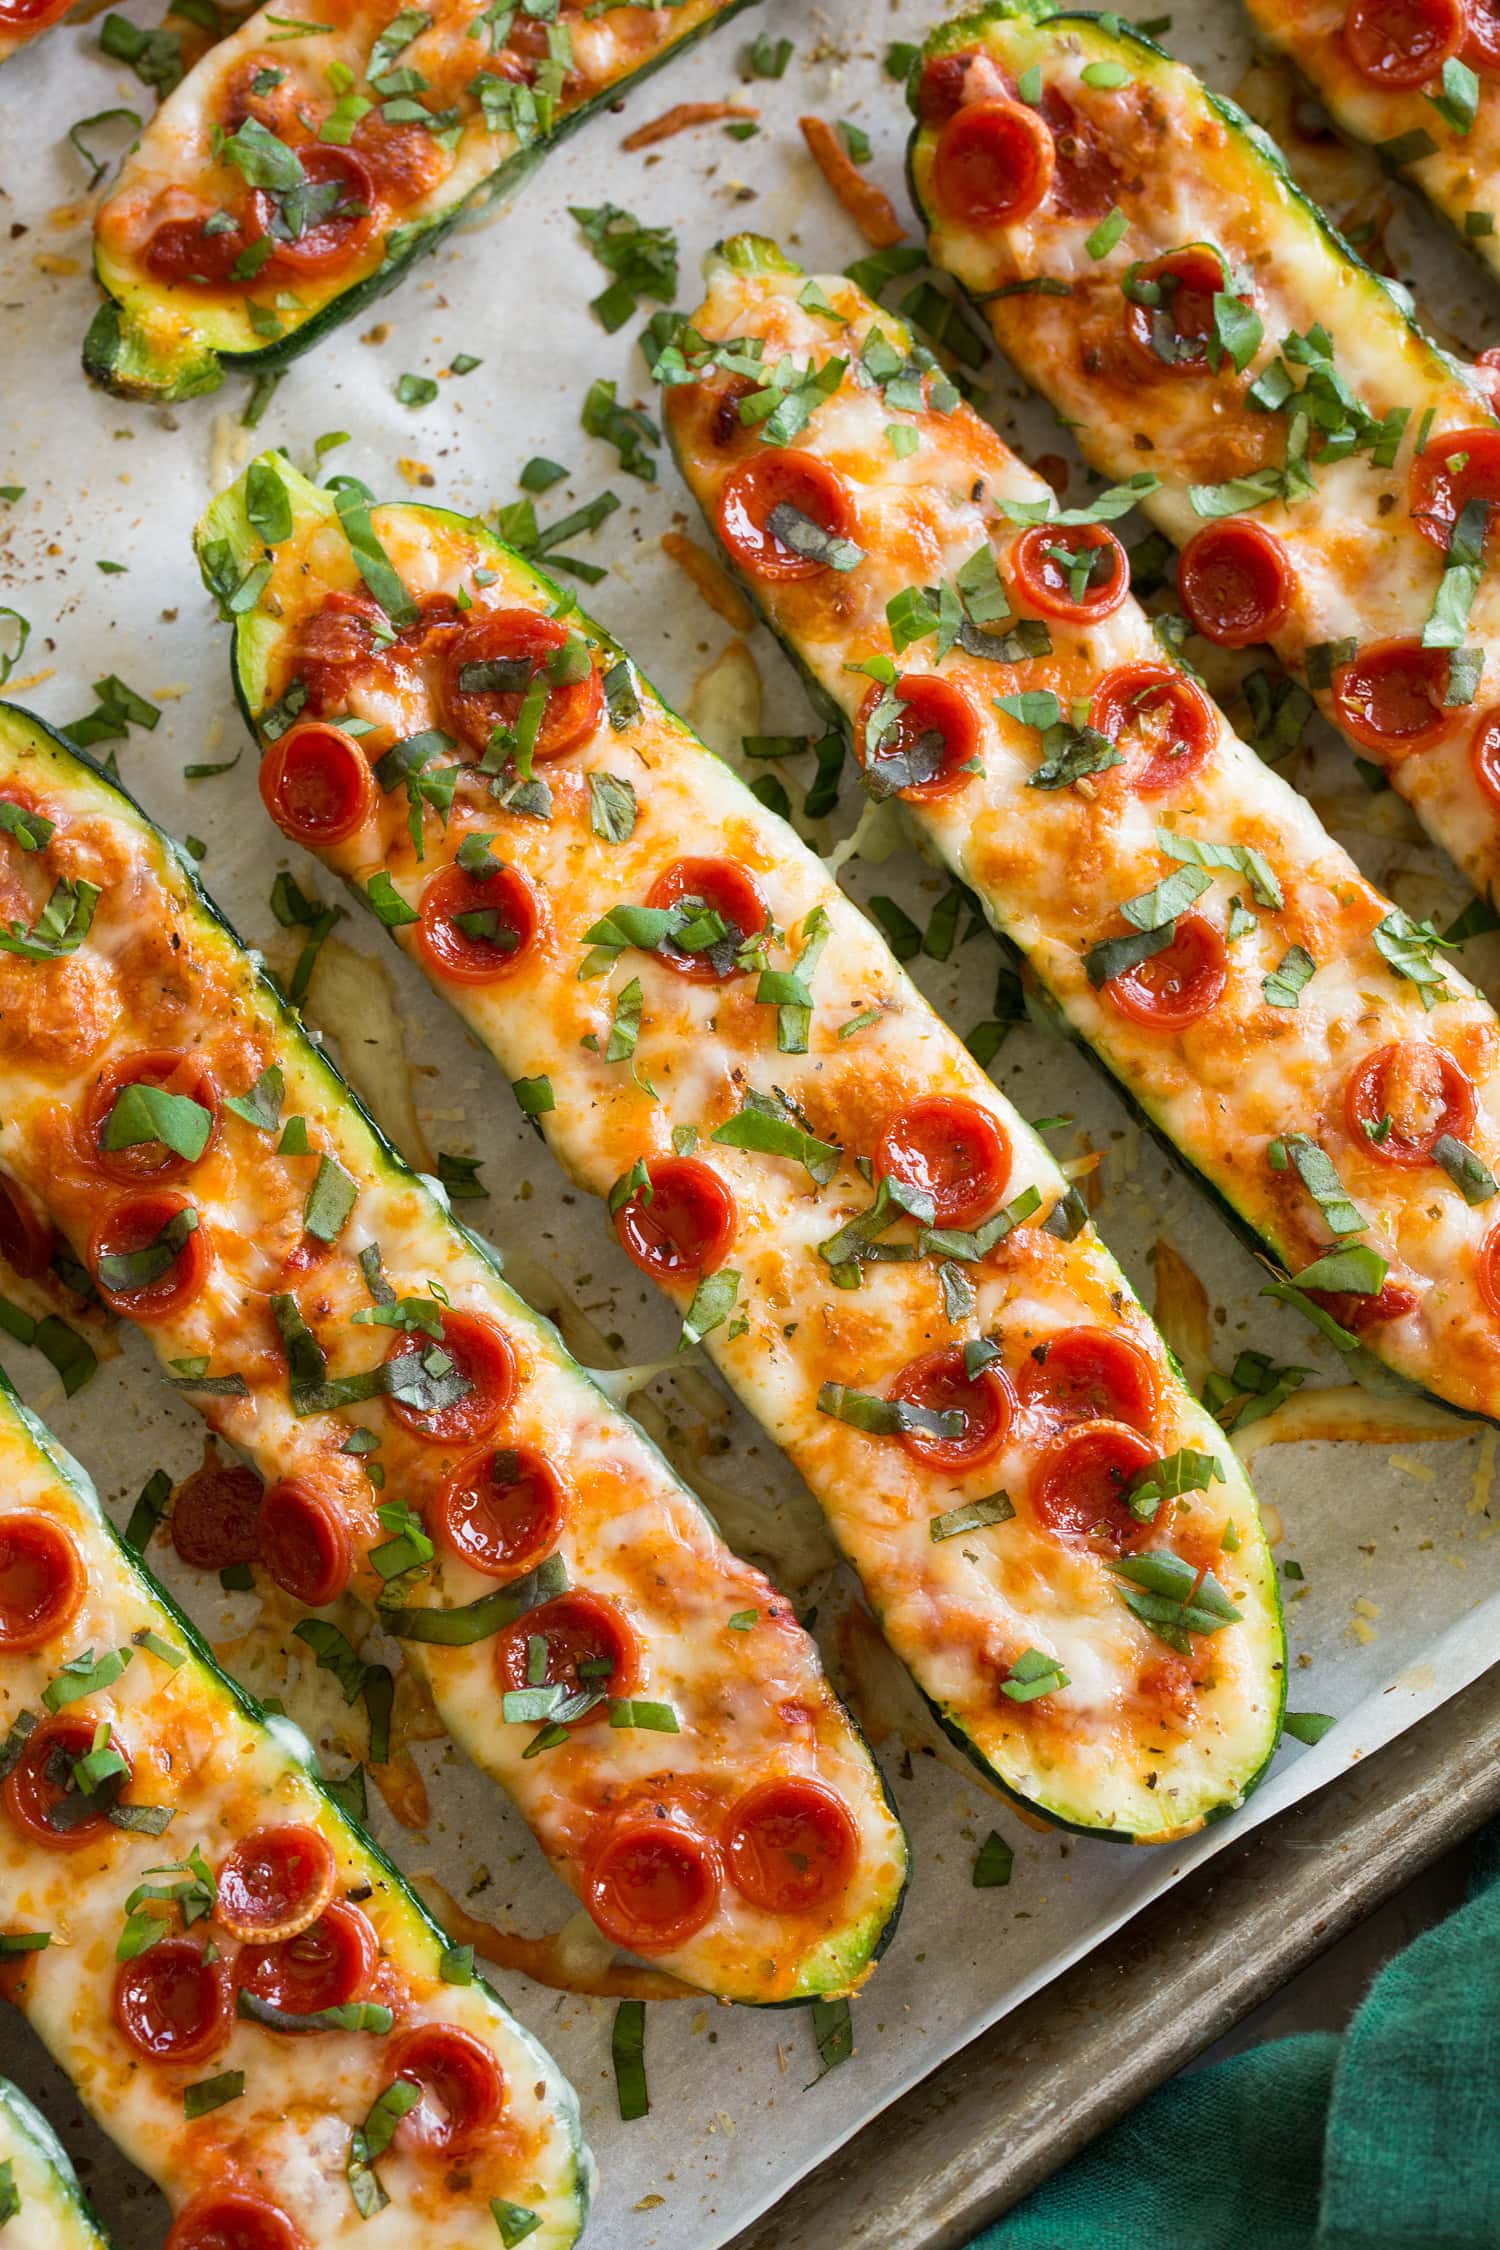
(1399, 1604)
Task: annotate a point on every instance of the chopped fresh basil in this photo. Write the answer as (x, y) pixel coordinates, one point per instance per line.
(974, 1515)
(1034, 1674)
(993, 1863)
(769, 1125)
(1290, 977)
(1468, 1172)
(627, 2046)
(143, 1115)
(125, 1271)
(886, 1417)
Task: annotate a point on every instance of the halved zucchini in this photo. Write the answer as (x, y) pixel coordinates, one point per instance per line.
(1298, 397)
(776, 1071)
(232, 1974)
(44, 2207)
(647, 1698)
(219, 247)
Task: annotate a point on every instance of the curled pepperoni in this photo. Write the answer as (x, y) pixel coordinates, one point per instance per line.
(993, 164)
(1236, 582)
(1086, 181)
(652, 1884)
(1423, 1093)
(463, 2087)
(791, 1846)
(173, 2004)
(42, 1582)
(276, 1883)
(1389, 697)
(477, 929)
(590, 1647)
(1402, 43)
(1481, 47)
(1169, 311)
(950, 1149)
(183, 252)
(1159, 719)
(751, 527)
(168, 1072)
(1484, 757)
(1081, 1488)
(679, 1224)
(1092, 1375)
(1076, 572)
(174, 1265)
(489, 669)
(502, 1511)
(215, 1513)
(26, 1236)
(233, 2219)
(1448, 473)
(404, 162)
(725, 890)
(38, 1794)
(1488, 1268)
(1486, 369)
(1178, 984)
(472, 1373)
(317, 785)
(302, 1536)
(940, 90)
(343, 641)
(323, 226)
(923, 726)
(326, 1965)
(984, 1404)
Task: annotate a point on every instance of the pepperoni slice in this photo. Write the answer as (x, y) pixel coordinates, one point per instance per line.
(42, 1582)
(326, 1965)
(993, 164)
(1081, 1489)
(302, 1537)
(502, 1511)
(182, 253)
(347, 639)
(1389, 696)
(1421, 1089)
(1092, 1375)
(931, 723)
(233, 2219)
(476, 929)
(1171, 333)
(1402, 43)
(591, 1647)
(1160, 720)
(36, 1789)
(480, 1357)
(1392, 1302)
(214, 1516)
(1236, 582)
(1484, 759)
(404, 162)
(791, 1846)
(652, 1885)
(1077, 572)
(317, 785)
(1178, 986)
(463, 2087)
(168, 1072)
(940, 91)
(1489, 1270)
(1481, 46)
(335, 229)
(726, 890)
(953, 1151)
(488, 669)
(984, 1403)
(26, 1237)
(1087, 180)
(1447, 474)
(680, 1224)
(776, 479)
(173, 2004)
(276, 1883)
(1486, 369)
(31, 16)
(138, 1225)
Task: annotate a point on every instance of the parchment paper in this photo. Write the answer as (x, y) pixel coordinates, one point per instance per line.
(1400, 1600)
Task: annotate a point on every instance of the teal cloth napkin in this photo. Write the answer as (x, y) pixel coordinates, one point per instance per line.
(1384, 2138)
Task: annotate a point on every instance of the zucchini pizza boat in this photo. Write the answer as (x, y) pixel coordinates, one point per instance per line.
(1143, 256)
(241, 1987)
(647, 1699)
(1286, 1029)
(293, 177)
(1418, 81)
(42, 2207)
(872, 1244)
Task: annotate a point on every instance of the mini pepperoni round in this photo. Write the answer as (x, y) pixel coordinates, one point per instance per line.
(165, 1071)
(146, 1260)
(303, 1542)
(984, 1404)
(502, 1511)
(36, 1793)
(930, 723)
(488, 669)
(679, 1225)
(1486, 368)
(652, 1884)
(1402, 43)
(1092, 1375)
(476, 929)
(1083, 1480)
(1484, 756)
(591, 1647)
(1159, 719)
(1177, 986)
(791, 1846)
(318, 786)
(950, 1149)
(173, 2004)
(1409, 1095)
(1076, 572)
(1449, 473)
(1172, 333)
(340, 220)
(182, 253)
(233, 2219)
(752, 529)
(214, 1516)
(326, 1965)
(26, 1237)
(1393, 1301)
(993, 164)
(31, 16)
(276, 1883)
(1389, 697)
(940, 90)
(470, 1376)
(1489, 1270)
(405, 161)
(1481, 46)
(463, 2087)
(348, 638)
(1236, 582)
(725, 890)
(42, 1582)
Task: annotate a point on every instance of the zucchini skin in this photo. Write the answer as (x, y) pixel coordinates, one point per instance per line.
(591, 1446)
(118, 353)
(1240, 801)
(275, 1769)
(707, 805)
(54, 2213)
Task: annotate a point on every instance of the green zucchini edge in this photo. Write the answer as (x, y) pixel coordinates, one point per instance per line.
(29, 2124)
